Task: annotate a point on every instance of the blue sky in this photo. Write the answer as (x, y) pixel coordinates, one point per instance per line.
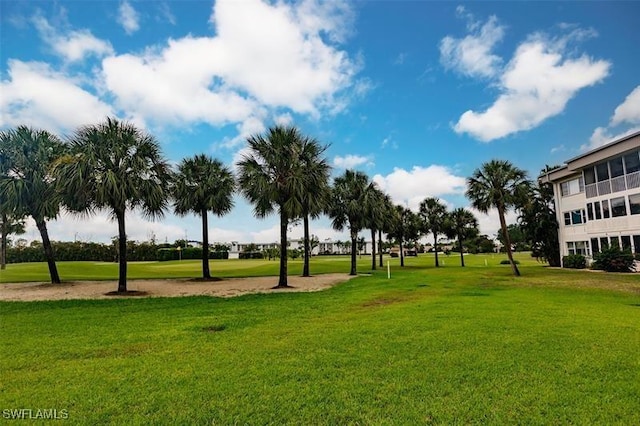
(416, 94)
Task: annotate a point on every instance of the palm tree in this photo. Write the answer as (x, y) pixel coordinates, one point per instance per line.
(375, 215)
(404, 227)
(498, 184)
(461, 224)
(203, 185)
(271, 176)
(349, 198)
(115, 166)
(316, 193)
(26, 184)
(433, 214)
(387, 223)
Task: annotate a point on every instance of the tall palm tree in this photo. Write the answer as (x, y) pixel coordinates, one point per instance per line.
(461, 224)
(349, 198)
(271, 177)
(375, 214)
(316, 192)
(26, 184)
(498, 184)
(202, 185)
(115, 166)
(387, 223)
(433, 213)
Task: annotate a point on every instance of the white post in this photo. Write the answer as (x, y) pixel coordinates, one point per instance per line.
(388, 270)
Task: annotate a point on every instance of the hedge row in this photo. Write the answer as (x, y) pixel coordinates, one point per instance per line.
(81, 251)
(165, 254)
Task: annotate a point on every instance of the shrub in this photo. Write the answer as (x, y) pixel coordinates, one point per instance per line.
(506, 262)
(250, 255)
(218, 255)
(613, 259)
(574, 261)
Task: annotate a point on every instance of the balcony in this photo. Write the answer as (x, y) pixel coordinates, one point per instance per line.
(617, 184)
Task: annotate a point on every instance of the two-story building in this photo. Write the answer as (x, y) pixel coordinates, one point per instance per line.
(597, 198)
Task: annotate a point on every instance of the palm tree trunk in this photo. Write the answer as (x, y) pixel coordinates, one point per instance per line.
(401, 254)
(461, 253)
(507, 241)
(373, 249)
(380, 246)
(3, 248)
(122, 253)
(435, 247)
(282, 281)
(206, 273)
(48, 251)
(354, 243)
(307, 248)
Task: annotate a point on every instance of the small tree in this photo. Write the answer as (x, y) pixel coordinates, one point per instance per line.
(433, 214)
(202, 185)
(461, 224)
(500, 185)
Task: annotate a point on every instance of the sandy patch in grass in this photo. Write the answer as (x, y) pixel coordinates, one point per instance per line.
(165, 288)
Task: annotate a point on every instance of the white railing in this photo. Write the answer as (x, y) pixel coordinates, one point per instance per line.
(604, 187)
(617, 184)
(591, 190)
(633, 180)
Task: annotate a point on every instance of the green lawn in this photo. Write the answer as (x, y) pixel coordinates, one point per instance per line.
(447, 345)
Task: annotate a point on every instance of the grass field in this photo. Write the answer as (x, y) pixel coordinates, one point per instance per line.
(447, 345)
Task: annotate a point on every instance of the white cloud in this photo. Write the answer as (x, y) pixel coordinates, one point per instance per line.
(472, 55)
(263, 56)
(35, 95)
(411, 187)
(536, 85)
(73, 46)
(628, 112)
(351, 161)
(166, 14)
(128, 18)
(489, 223)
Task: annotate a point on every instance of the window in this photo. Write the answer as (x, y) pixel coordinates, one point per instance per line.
(595, 246)
(604, 242)
(618, 207)
(615, 242)
(632, 162)
(605, 209)
(577, 217)
(636, 243)
(616, 167)
(571, 187)
(590, 211)
(626, 242)
(596, 207)
(574, 217)
(603, 172)
(589, 176)
(577, 247)
(634, 204)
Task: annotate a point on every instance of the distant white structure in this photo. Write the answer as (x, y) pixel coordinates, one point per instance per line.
(324, 247)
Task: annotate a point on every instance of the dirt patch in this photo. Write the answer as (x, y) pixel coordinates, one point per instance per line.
(165, 288)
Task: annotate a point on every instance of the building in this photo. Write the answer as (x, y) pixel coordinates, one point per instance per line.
(324, 247)
(597, 198)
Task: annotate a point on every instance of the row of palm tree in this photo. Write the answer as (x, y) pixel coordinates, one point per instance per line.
(117, 167)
